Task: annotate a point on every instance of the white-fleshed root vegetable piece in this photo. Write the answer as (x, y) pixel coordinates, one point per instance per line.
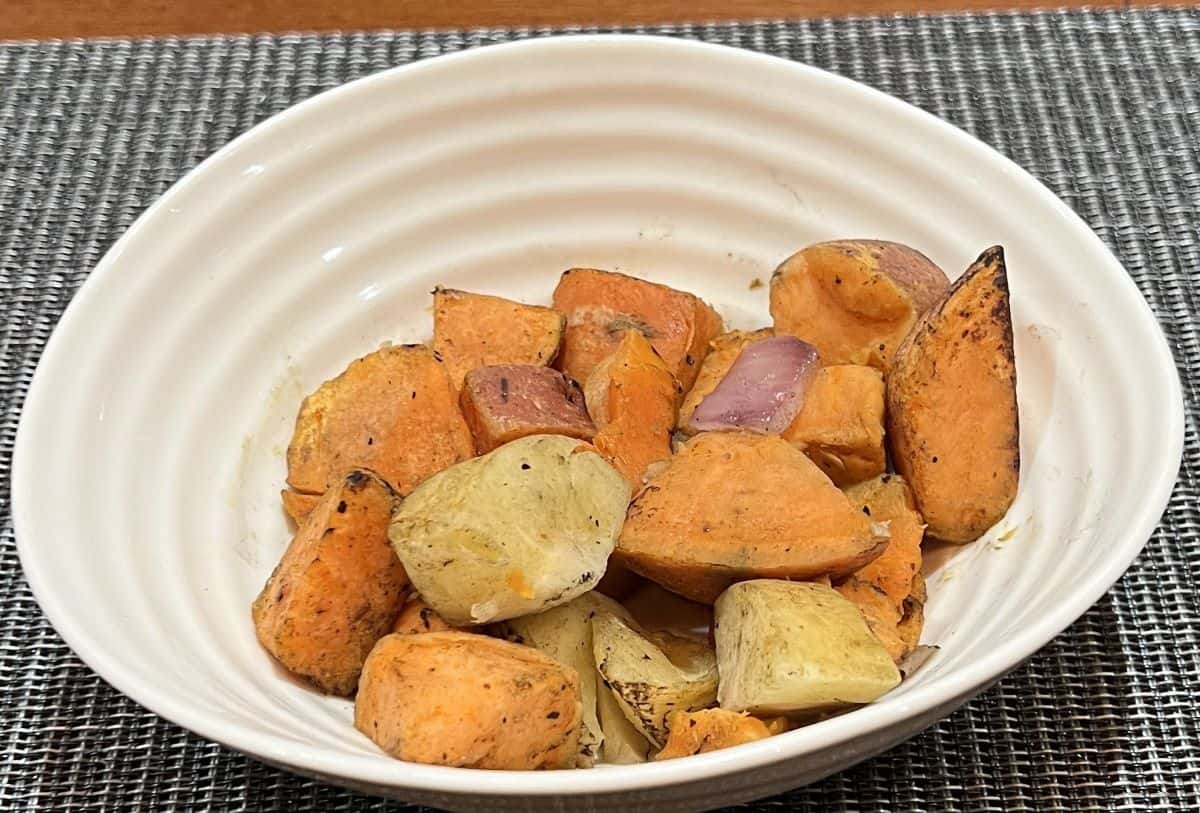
(565, 634)
(517, 531)
(653, 677)
(795, 647)
(764, 389)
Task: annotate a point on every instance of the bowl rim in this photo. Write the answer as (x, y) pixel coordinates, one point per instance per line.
(316, 759)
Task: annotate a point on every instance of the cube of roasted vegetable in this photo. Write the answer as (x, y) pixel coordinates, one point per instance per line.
(731, 506)
(788, 647)
(565, 634)
(417, 617)
(476, 330)
(632, 397)
(508, 401)
(337, 587)
(601, 306)
(952, 406)
(723, 350)
(469, 701)
(697, 732)
(854, 299)
(840, 427)
(653, 675)
(391, 411)
(521, 529)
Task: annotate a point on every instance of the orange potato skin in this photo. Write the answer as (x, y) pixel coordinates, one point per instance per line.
(952, 416)
(854, 300)
(723, 351)
(298, 505)
(417, 617)
(337, 588)
(602, 305)
(698, 732)
(469, 701)
(632, 397)
(391, 411)
(733, 506)
(840, 427)
(477, 330)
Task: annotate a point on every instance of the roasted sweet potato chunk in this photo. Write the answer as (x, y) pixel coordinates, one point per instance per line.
(477, 330)
(417, 617)
(601, 306)
(840, 427)
(855, 300)
(632, 397)
(698, 732)
(297, 504)
(508, 401)
(732, 506)
(337, 588)
(455, 698)
(391, 411)
(952, 406)
(723, 351)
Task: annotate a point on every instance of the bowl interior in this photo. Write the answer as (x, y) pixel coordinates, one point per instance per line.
(165, 402)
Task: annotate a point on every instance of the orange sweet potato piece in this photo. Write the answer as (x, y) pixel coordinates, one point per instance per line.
(602, 305)
(723, 351)
(952, 406)
(698, 732)
(881, 613)
(417, 617)
(632, 397)
(391, 411)
(840, 427)
(476, 330)
(297, 504)
(337, 588)
(469, 701)
(889, 499)
(504, 402)
(854, 300)
(732, 506)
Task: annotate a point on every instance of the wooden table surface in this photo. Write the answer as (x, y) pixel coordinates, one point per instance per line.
(21, 19)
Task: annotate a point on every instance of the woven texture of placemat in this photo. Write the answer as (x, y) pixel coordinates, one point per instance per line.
(1102, 107)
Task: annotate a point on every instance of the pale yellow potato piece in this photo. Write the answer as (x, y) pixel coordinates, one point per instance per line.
(654, 675)
(790, 647)
(519, 530)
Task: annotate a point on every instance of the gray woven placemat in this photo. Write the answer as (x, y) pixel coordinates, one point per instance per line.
(1103, 107)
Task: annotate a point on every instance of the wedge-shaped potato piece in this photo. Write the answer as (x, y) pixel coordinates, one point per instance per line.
(508, 401)
(469, 701)
(840, 427)
(565, 634)
(476, 330)
(790, 647)
(632, 397)
(336, 589)
(601, 306)
(624, 744)
(723, 351)
(517, 531)
(854, 299)
(732, 506)
(391, 411)
(653, 676)
(417, 617)
(698, 732)
(297, 504)
(952, 406)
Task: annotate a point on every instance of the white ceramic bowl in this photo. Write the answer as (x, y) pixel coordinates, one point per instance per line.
(150, 453)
